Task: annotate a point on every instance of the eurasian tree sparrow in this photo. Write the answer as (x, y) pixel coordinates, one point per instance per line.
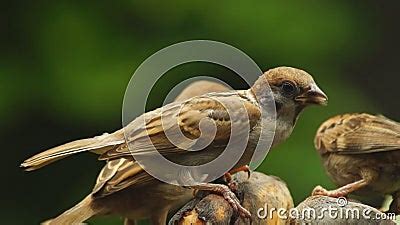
(292, 91)
(361, 154)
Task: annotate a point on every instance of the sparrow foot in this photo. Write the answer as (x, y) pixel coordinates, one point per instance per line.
(230, 182)
(228, 195)
(245, 168)
(342, 191)
(228, 176)
(318, 190)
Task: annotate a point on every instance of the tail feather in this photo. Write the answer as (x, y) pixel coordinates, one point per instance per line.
(77, 214)
(99, 145)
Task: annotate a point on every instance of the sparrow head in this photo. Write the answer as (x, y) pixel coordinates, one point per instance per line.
(291, 88)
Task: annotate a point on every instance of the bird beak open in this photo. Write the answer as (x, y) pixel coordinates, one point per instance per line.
(313, 96)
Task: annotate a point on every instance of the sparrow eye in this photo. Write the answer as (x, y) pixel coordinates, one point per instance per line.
(288, 88)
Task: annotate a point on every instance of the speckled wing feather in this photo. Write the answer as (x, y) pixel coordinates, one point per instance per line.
(358, 134)
(119, 174)
(186, 117)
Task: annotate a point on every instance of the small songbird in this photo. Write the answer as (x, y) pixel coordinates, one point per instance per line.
(361, 154)
(292, 91)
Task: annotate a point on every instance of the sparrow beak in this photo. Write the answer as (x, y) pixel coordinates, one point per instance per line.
(313, 96)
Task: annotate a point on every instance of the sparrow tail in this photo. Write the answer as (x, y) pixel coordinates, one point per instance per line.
(98, 144)
(77, 214)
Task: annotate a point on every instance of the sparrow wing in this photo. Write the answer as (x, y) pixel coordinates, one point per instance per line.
(121, 171)
(183, 119)
(358, 134)
(119, 174)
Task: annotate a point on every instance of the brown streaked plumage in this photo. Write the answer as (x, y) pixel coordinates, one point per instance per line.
(293, 90)
(361, 153)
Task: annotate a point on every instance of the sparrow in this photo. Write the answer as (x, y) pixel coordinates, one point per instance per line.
(361, 154)
(260, 193)
(292, 91)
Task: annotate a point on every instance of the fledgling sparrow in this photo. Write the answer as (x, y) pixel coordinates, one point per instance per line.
(292, 90)
(361, 154)
(261, 194)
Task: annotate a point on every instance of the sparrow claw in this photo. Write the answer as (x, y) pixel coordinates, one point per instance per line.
(245, 168)
(229, 180)
(227, 194)
(248, 174)
(319, 190)
(231, 198)
(233, 186)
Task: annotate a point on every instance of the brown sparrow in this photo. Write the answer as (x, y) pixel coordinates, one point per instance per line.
(260, 194)
(361, 154)
(292, 90)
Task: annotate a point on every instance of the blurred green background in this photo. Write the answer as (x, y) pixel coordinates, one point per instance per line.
(64, 67)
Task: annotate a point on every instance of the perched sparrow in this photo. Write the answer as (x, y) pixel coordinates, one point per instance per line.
(260, 194)
(292, 89)
(361, 153)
